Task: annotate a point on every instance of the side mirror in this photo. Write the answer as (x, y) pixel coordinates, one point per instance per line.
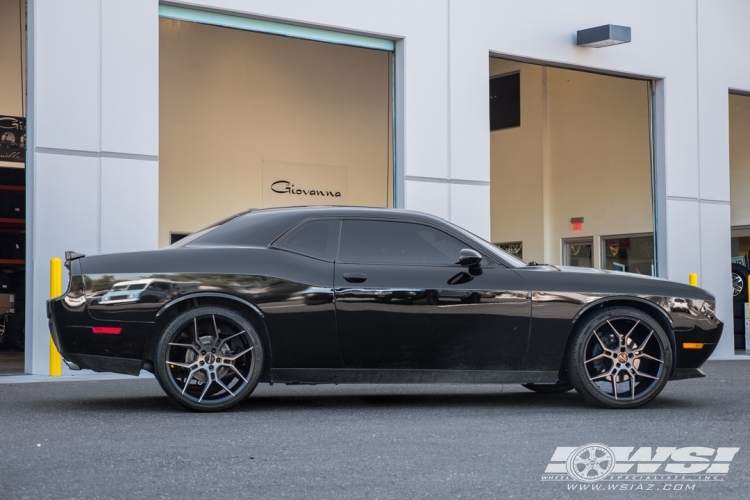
(469, 258)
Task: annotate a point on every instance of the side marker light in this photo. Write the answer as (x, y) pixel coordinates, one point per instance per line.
(106, 330)
(692, 345)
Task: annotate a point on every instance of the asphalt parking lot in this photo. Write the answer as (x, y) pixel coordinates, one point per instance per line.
(122, 439)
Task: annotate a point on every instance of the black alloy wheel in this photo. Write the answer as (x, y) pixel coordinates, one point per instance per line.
(209, 358)
(558, 388)
(620, 358)
(739, 283)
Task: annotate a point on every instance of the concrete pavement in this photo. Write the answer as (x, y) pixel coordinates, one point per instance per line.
(123, 439)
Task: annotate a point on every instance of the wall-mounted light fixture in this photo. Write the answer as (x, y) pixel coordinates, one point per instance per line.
(603, 36)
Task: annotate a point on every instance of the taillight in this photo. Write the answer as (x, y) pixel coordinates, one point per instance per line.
(106, 330)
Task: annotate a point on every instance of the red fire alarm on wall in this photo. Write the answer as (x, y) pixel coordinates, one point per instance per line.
(576, 224)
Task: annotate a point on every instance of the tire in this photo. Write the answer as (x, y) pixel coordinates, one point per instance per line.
(209, 359)
(739, 283)
(5, 323)
(624, 342)
(16, 333)
(559, 388)
(739, 341)
(738, 310)
(739, 326)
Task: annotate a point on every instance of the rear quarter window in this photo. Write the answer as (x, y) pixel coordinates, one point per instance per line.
(315, 238)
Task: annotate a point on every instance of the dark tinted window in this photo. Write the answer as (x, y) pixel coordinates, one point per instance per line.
(254, 229)
(385, 242)
(505, 101)
(318, 238)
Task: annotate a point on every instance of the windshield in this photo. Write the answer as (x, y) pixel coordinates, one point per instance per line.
(500, 255)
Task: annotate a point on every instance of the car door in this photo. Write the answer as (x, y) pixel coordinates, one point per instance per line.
(402, 302)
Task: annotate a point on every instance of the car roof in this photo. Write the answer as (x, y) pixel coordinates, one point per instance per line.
(349, 211)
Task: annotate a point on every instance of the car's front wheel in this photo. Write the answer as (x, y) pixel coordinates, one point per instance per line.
(209, 358)
(619, 358)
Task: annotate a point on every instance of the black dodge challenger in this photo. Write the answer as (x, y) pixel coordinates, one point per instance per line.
(321, 295)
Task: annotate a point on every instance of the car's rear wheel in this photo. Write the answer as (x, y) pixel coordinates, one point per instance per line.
(619, 358)
(209, 358)
(559, 388)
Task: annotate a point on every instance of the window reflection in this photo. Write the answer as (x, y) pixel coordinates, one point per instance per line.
(578, 253)
(515, 248)
(634, 254)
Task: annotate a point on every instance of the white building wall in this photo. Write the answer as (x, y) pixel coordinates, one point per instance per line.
(93, 107)
(93, 102)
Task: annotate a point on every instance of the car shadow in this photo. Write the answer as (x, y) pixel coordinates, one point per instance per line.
(270, 403)
(500, 401)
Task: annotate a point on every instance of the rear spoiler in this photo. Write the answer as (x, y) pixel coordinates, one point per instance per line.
(71, 256)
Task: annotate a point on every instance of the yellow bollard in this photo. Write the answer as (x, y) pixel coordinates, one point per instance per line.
(55, 290)
(693, 279)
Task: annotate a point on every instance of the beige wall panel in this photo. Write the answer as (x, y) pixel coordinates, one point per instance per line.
(516, 167)
(12, 55)
(739, 159)
(600, 155)
(231, 99)
(582, 150)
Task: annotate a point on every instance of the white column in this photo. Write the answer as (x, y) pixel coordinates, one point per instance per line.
(93, 107)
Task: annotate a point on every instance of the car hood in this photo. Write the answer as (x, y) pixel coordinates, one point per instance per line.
(587, 279)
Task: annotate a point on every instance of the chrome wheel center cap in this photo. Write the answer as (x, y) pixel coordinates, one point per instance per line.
(209, 358)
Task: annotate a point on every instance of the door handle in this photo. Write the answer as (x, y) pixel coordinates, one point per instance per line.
(355, 277)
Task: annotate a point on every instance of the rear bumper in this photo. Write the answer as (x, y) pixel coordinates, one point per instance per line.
(71, 328)
(104, 363)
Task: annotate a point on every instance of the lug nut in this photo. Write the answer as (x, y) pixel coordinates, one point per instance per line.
(203, 352)
(213, 351)
(202, 363)
(218, 360)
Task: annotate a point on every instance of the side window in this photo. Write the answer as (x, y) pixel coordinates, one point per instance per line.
(386, 242)
(318, 238)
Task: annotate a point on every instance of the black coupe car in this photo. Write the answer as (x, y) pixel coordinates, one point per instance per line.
(321, 295)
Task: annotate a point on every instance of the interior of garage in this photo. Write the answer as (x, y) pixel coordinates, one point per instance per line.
(12, 185)
(739, 171)
(571, 167)
(251, 119)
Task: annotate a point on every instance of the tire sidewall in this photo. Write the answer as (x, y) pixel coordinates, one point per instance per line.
(162, 346)
(742, 272)
(577, 370)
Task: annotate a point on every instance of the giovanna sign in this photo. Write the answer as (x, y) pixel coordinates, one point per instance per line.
(289, 184)
(600, 467)
(286, 187)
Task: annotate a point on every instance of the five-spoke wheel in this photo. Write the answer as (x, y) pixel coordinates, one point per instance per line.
(209, 358)
(620, 358)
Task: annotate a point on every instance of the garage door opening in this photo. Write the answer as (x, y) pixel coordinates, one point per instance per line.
(12, 185)
(250, 119)
(571, 175)
(739, 185)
